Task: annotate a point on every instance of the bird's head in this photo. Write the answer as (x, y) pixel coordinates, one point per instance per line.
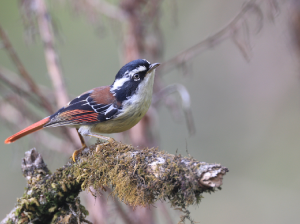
(135, 76)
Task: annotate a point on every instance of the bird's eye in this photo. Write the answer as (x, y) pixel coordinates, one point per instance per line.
(136, 77)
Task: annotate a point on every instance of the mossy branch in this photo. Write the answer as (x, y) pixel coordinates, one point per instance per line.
(136, 177)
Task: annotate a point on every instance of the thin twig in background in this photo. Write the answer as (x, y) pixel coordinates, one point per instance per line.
(51, 57)
(227, 32)
(165, 212)
(9, 113)
(14, 57)
(125, 215)
(274, 9)
(52, 61)
(107, 9)
(295, 25)
(17, 102)
(97, 205)
(27, 78)
(185, 102)
(19, 89)
(16, 83)
(169, 101)
(28, 116)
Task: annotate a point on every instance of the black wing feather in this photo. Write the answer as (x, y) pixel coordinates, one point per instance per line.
(87, 112)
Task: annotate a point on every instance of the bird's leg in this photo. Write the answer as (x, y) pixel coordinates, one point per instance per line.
(79, 150)
(108, 139)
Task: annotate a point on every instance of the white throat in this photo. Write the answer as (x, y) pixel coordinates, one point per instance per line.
(141, 100)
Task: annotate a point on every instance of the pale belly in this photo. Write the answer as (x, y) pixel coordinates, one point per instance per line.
(117, 125)
(131, 116)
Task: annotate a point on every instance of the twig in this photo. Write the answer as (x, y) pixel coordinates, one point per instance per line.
(295, 25)
(55, 73)
(108, 9)
(8, 46)
(217, 38)
(13, 80)
(185, 102)
(11, 100)
(125, 217)
(97, 206)
(10, 80)
(46, 33)
(19, 89)
(12, 115)
(166, 214)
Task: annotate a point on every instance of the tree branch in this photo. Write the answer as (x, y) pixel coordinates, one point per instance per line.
(5, 77)
(23, 72)
(185, 102)
(51, 57)
(17, 118)
(229, 31)
(107, 9)
(136, 177)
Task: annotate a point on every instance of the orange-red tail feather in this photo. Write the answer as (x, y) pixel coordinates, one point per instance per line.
(32, 128)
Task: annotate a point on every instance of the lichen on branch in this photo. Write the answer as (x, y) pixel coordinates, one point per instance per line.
(136, 177)
(141, 177)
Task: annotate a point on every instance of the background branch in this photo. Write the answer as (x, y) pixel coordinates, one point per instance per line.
(17, 119)
(229, 31)
(185, 102)
(51, 57)
(14, 57)
(107, 9)
(5, 77)
(44, 22)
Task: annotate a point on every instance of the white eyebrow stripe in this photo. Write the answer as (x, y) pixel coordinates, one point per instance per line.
(137, 70)
(146, 61)
(126, 77)
(141, 68)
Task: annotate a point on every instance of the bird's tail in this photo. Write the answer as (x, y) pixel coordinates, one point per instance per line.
(32, 128)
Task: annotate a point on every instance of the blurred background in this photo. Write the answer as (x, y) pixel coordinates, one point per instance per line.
(243, 85)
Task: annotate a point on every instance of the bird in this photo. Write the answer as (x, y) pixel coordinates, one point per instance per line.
(105, 109)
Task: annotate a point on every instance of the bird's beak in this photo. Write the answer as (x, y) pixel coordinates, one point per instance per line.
(152, 67)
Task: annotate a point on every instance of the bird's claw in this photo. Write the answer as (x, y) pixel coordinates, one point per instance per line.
(76, 152)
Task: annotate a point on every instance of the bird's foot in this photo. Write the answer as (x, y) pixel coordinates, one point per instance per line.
(78, 152)
(108, 140)
(100, 145)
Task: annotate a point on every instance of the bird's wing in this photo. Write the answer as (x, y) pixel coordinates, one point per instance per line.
(97, 105)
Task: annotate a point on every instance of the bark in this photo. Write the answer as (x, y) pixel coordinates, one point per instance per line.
(136, 177)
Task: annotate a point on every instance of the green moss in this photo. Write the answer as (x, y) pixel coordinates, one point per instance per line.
(122, 168)
(130, 179)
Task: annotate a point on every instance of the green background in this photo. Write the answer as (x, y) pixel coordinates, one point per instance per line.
(247, 114)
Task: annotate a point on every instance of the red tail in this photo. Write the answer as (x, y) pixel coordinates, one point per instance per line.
(32, 128)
